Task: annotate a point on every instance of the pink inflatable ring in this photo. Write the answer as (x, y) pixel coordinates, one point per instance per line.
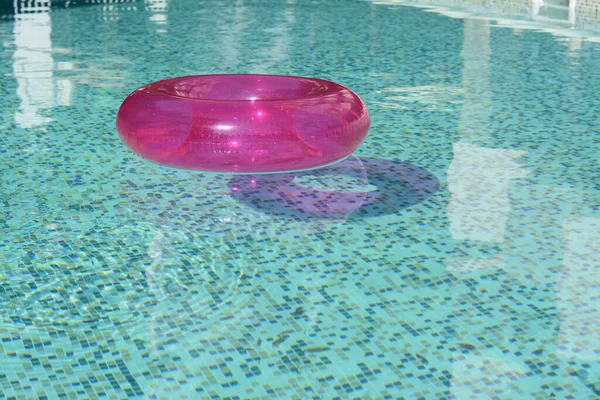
(243, 123)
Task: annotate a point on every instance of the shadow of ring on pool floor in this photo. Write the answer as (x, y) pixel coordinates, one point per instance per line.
(362, 188)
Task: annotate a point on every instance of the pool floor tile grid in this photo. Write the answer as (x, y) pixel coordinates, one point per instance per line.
(344, 340)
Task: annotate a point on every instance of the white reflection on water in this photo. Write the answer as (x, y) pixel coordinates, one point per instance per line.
(478, 180)
(509, 14)
(277, 51)
(478, 177)
(230, 31)
(33, 67)
(159, 16)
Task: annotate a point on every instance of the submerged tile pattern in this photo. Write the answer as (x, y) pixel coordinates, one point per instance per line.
(455, 256)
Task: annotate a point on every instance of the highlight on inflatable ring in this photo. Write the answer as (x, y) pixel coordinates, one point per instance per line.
(243, 123)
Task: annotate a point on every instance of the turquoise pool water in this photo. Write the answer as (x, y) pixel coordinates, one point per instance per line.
(455, 255)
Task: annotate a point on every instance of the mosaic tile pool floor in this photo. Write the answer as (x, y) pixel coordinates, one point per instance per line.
(454, 256)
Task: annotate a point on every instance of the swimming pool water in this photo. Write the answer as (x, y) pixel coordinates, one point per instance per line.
(456, 255)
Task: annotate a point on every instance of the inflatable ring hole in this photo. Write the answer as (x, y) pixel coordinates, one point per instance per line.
(343, 177)
(243, 87)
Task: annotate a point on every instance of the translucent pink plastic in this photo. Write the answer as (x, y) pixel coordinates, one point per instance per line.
(243, 123)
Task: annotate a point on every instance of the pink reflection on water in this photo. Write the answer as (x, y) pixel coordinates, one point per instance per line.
(368, 187)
